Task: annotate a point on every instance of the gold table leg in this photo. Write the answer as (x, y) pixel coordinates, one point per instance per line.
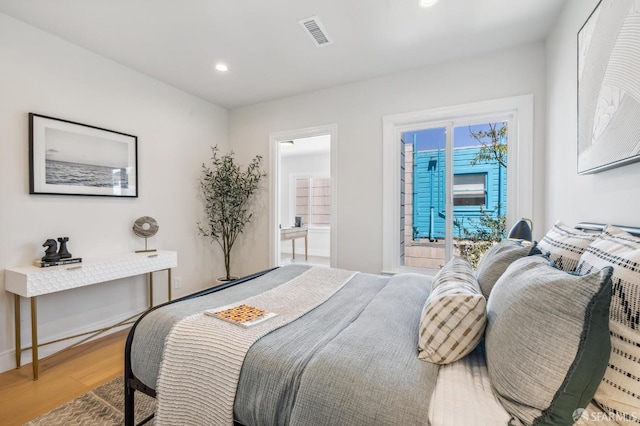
(293, 247)
(151, 287)
(305, 248)
(16, 302)
(34, 325)
(34, 336)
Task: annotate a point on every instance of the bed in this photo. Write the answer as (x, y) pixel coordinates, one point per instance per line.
(351, 357)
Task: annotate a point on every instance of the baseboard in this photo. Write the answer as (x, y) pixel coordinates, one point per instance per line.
(8, 358)
(7, 361)
(319, 253)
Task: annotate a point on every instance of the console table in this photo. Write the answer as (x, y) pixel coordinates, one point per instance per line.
(31, 281)
(292, 234)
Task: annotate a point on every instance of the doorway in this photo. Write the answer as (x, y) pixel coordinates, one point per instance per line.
(304, 202)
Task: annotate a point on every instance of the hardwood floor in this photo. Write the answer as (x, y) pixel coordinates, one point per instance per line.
(63, 377)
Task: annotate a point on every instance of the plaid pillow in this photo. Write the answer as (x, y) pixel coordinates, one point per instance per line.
(454, 315)
(619, 391)
(564, 245)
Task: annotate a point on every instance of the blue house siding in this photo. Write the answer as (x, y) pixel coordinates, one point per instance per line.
(429, 192)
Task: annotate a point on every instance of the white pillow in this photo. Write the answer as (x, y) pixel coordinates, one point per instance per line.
(564, 245)
(620, 388)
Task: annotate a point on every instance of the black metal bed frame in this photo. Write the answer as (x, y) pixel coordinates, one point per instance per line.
(131, 382)
(599, 227)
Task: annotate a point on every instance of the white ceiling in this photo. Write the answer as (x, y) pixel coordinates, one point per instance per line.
(268, 54)
(307, 146)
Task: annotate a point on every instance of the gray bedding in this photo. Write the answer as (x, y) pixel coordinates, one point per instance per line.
(353, 360)
(148, 340)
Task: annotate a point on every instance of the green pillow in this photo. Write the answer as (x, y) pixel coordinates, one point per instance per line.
(547, 340)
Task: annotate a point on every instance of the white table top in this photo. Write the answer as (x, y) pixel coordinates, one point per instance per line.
(29, 281)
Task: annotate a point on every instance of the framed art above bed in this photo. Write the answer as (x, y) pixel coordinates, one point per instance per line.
(609, 87)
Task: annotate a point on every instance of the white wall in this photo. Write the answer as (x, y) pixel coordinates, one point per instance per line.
(612, 196)
(46, 75)
(43, 74)
(357, 109)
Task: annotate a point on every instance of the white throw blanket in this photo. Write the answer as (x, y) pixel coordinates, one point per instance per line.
(203, 355)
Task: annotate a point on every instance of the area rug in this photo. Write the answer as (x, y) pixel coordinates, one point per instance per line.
(103, 406)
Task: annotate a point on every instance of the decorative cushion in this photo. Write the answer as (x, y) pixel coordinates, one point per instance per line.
(498, 258)
(454, 315)
(547, 340)
(564, 245)
(619, 392)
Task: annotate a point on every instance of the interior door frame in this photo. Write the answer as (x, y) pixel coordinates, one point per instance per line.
(275, 139)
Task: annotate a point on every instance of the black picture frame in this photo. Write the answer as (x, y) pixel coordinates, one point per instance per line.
(69, 158)
(608, 88)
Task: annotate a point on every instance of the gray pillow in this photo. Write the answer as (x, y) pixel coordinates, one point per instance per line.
(547, 340)
(498, 258)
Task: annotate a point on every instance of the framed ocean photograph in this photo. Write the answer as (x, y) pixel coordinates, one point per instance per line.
(609, 87)
(68, 158)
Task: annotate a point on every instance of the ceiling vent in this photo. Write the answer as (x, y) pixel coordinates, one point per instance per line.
(316, 31)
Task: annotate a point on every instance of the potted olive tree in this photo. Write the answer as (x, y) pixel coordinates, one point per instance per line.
(228, 191)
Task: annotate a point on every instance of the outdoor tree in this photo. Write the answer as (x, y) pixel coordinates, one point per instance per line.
(493, 146)
(490, 229)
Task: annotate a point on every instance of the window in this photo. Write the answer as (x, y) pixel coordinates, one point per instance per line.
(470, 189)
(449, 165)
(441, 187)
(303, 206)
(313, 200)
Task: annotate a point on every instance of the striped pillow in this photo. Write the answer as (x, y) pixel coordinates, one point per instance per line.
(547, 340)
(454, 315)
(564, 245)
(619, 391)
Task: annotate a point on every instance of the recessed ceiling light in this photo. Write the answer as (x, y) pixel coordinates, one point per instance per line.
(222, 67)
(427, 3)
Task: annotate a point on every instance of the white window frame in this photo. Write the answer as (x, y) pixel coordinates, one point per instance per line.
(471, 188)
(292, 192)
(519, 113)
